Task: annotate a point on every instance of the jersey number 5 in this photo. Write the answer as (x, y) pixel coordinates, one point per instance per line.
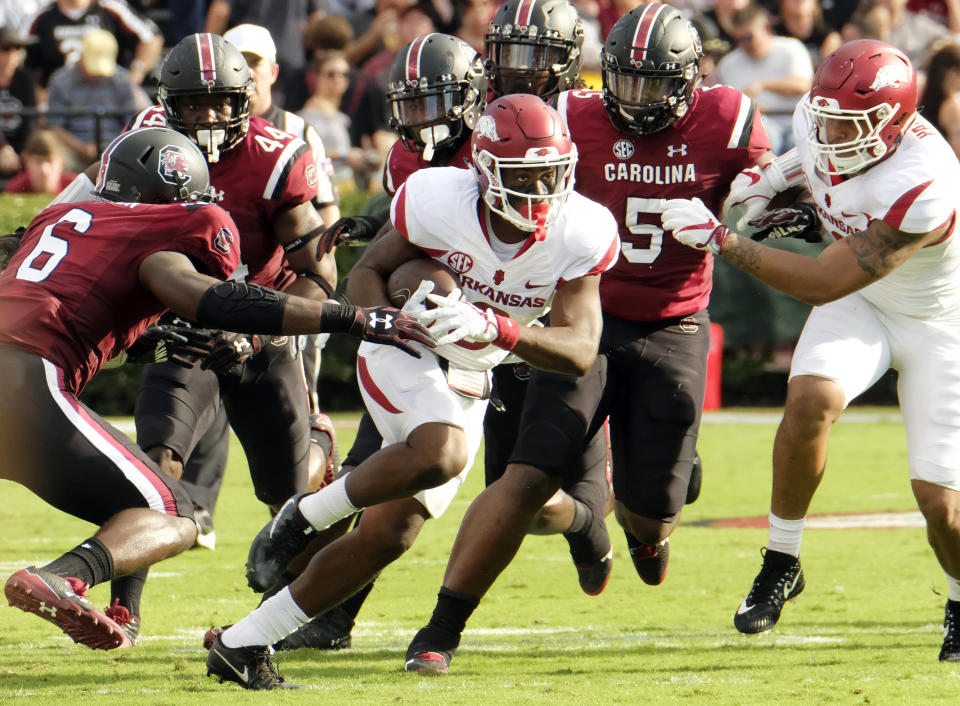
(50, 250)
(648, 247)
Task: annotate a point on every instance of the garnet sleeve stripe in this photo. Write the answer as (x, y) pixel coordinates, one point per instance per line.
(398, 211)
(281, 170)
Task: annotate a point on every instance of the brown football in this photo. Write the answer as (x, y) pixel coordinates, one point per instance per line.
(405, 279)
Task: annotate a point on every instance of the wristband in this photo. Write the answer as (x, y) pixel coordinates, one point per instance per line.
(508, 333)
(298, 243)
(338, 318)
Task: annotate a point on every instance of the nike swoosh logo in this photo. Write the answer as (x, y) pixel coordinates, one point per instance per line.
(744, 608)
(243, 675)
(528, 285)
(787, 590)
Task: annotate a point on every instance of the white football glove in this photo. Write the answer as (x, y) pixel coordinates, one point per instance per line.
(455, 319)
(752, 189)
(415, 304)
(693, 224)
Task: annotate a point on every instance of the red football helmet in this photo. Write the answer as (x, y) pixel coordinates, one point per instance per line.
(520, 131)
(871, 84)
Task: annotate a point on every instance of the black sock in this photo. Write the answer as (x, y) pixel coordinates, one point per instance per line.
(582, 515)
(352, 605)
(128, 590)
(453, 610)
(90, 561)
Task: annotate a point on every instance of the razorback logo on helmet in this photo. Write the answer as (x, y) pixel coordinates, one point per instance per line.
(223, 241)
(173, 162)
(893, 75)
(460, 262)
(487, 127)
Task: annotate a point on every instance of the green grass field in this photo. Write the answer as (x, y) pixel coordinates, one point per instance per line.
(866, 630)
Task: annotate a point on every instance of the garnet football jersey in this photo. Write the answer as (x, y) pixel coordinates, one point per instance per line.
(913, 190)
(437, 210)
(657, 277)
(268, 171)
(72, 292)
(402, 162)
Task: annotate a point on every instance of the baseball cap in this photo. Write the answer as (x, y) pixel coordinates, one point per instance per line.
(253, 39)
(98, 53)
(9, 37)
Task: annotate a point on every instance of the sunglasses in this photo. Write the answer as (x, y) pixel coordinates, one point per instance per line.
(336, 74)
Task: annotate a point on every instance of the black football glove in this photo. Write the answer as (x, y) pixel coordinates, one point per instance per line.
(230, 350)
(182, 345)
(8, 246)
(347, 231)
(798, 221)
(390, 326)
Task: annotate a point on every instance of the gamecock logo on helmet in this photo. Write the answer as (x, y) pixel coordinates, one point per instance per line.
(487, 127)
(173, 161)
(893, 75)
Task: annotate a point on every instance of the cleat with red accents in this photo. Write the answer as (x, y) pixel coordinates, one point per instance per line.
(428, 663)
(650, 560)
(129, 623)
(63, 602)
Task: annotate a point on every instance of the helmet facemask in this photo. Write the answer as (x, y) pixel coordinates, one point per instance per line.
(541, 65)
(646, 102)
(851, 156)
(430, 118)
(214, 136)
(527, 211)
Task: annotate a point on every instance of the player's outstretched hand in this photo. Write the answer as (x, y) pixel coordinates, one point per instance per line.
(797, 221)
(693, 224)
(346, 231)
(231, 349)
(182, 345)
(390, 326)
(455, 319)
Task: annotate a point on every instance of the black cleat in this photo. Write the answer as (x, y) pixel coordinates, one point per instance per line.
(950, 651)
(327, 631)
(780, 579)
(63, 602)
(696, 481)
(250, 667)
(592, 554)
(650, 560)
(285, 536)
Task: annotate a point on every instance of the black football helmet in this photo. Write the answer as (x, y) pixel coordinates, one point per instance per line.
(153, 165)
(206, 64)
(651, 66)
(437, 90)
(534, 46)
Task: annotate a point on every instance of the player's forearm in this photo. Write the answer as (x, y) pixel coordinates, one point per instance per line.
(366, 287)
(558, 349)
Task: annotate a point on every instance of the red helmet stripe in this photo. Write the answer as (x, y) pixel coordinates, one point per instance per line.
(641, 35)
(208, 64)
(524, 12)
(413, 57)
(105, 159)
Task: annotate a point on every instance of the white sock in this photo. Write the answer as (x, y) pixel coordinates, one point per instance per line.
(786, 535)
(953, 588)
(327, 505)
(277, 617)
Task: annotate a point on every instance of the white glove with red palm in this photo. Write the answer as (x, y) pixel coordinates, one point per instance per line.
(753, 188)
(454, 319)
(694, 225)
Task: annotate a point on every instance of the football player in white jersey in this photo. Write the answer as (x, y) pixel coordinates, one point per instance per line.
(886, 294)
(522, 243)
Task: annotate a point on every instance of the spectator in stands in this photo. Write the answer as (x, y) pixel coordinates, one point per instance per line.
(803, 20)
(77, 90)
(868, 22)
(17, 92)
(774, 71)
(322, 111)
(411, 23)
(911, 32)
(375, 29)
(363, 102)
(14, 13)
(61, 26)
(721, 14)
(43, 166)
(715, 47)
(940, 100)
(946, 12)
(473, 25)
(285, 19)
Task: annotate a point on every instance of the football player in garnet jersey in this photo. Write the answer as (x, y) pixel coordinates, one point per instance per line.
(522, 241)
(88, 279)
(649, 134)
(266, 179)
(886, 294)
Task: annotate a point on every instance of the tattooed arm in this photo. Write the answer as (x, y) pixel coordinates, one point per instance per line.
(843, 267)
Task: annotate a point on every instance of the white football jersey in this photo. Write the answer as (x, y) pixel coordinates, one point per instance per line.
(913, 190)
(436, 210)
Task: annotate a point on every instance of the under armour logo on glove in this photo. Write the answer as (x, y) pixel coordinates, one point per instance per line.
(231, 350)
(389, 326)
(693, 224)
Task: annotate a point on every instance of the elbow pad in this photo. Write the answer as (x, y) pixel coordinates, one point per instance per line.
(242, 307)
